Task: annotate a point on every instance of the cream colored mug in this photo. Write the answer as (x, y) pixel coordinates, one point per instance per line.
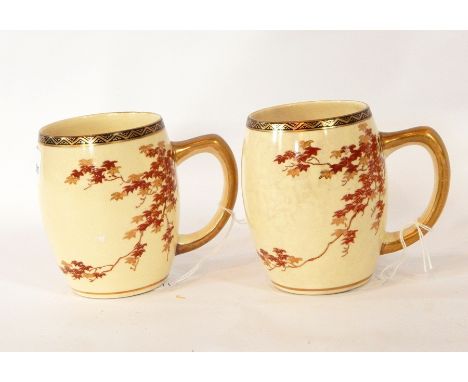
(109, 196)
(314, 188)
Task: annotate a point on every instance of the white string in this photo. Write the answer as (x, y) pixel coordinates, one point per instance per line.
(427, 263)
(213, 252)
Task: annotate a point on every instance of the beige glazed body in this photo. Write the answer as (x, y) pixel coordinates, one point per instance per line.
(314, 189)
(109, 196)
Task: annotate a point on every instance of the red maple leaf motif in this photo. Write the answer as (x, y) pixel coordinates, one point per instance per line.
(362, 162)
(155, 188)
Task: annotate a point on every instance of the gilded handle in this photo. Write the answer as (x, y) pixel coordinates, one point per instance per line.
(431, 141)
(217, 146)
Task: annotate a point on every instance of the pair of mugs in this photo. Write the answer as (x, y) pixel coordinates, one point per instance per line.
(314, 189)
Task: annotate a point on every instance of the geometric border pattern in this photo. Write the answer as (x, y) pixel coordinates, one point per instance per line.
(102, 139)
(317, 124)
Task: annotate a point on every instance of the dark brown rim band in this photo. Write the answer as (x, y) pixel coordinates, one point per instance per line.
(317, 124)
(102, 139)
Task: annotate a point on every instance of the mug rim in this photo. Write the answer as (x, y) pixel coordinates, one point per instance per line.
(256, 120)
(55, 133)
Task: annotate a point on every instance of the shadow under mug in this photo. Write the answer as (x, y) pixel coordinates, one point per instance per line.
(110, 204)
(315, 195)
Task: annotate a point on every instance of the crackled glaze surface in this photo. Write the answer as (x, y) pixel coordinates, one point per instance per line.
(111, 213)
(109, 198)
(316, 203)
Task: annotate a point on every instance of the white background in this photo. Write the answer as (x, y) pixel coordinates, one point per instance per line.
(208, 82)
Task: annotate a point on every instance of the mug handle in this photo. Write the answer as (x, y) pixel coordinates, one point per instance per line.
(217, 146)
(431, 141)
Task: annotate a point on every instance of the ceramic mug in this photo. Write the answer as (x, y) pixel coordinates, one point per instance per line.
(314, 189)
(109, 196)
